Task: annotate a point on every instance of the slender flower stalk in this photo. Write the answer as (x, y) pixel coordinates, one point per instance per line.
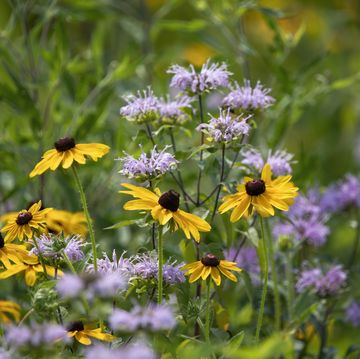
(160, 259)
(87, 215)
(290, 285)
(266, 277)
(221, 180)
(207, 318)
(274, 276)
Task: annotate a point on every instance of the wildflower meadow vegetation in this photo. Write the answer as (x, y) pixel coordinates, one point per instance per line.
(179, 179)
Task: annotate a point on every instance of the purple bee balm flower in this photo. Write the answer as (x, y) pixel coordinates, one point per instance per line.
(353, 314)
(36, 335)
(148, 167)
(137, 350)
(247, 98)
(141, 108)
(225, 128)
(280, 161)
(306, 223)
(53, 246)
(70, 286)
(324, 284)
(109, 284)
(146, 267)
(172, 111)
(152, 318)
(342, 195)
(210, 77)
(119, 265)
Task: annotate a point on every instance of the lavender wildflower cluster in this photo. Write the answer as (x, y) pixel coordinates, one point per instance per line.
(55, 247)
(246, 98)
(36, 335)
(210, 77)
(148, 167)
(323, 284)
(153, 318)
(280, 161)
(173, 111)
(306, 222)
(353, 314)
(225, 128)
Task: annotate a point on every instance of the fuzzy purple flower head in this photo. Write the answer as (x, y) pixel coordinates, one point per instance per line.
(226, 127)
(141, 108)
(353, 314)
(173, 111)
(280, 161)
(148, 167)
(323, 284)
(306, 223)
(54, 246)
(153, 318)
(246, 98)
(210, 77)
(342, 195)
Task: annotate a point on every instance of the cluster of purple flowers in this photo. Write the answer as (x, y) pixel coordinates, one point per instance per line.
(353, 314)
(247, 259)
(306, 222)
(36, 335)
(137, 350)
(247, 98)
(341, 195)
(146, 267)
(148, 167)
(55, 246)
(210, 77)
(225, 128)
(172, 111)
(105, 284)
(153, 318)
(324, 284)
(280, 161)
(141, 108)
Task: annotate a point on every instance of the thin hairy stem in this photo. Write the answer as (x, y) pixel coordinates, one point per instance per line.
(207, 318)
(220, 182)
(160, 261)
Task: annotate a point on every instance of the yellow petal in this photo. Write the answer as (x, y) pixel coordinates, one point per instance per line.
(68, 159)
(30, 276)
(140, 192)
(82, 338)
(266, 173)
(227, 273)
(138, 205)
(240, 209)
(215, 275)
(196, 274)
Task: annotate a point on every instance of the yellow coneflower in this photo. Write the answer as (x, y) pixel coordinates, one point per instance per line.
(211, 265)
(7, 307)
(66, 152)
(67, 222)
(261, 195)
(82, 333)
(164, 207)
(25, 222)
(31, 266)
(12, 252)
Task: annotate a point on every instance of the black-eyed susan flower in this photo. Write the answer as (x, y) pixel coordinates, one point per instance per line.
(24, 223)
(11, 252)
(66, 151)
(69, 223)
(211, 265)
(31, 266)
(261, 195)
(82, 333)
(7, 307)
(165, 207)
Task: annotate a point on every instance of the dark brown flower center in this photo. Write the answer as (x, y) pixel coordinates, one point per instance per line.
(75, 326)
(2, 243)
(210, 260)
(170, 200)
(64, 144)
(255, 187)
(23, 218)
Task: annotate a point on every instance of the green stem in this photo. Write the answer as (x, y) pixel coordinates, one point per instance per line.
(87, 215)
(68, 262)
(265, 275)
(274, 276)
(160, 271)
(207, 318)
(290, 285)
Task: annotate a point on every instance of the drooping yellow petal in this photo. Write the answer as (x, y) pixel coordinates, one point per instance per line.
(30, 276)
(227, 273)
(82, 338)
(138, 205)
(215, 275)
(196, 274)
(240, 209)
(266, 174)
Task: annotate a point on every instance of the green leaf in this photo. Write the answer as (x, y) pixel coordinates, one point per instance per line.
(234, 343)
(121, 224)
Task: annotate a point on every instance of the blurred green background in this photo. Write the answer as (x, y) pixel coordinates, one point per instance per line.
(65, 65)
